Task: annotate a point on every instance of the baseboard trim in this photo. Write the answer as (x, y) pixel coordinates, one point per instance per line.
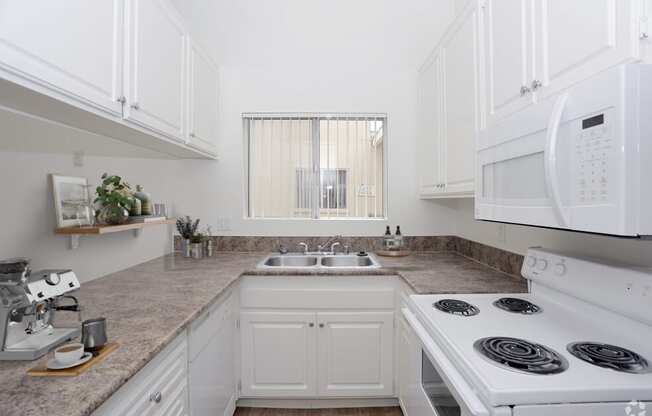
(317, 403)
(230, 408)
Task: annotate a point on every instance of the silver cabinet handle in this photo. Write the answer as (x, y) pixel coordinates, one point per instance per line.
(536, 84)
(122, 99)
(135, 106)
(311, 324)
(156, 397)
(525, 90)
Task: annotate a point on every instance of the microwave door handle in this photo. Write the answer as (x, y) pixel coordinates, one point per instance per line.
(471, 401)
(552, 138)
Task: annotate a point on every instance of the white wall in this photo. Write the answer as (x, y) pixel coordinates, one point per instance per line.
(28, 219)
(330, 56)
(217, 189)
(518, 238)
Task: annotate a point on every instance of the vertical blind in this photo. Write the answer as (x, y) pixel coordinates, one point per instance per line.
(315, 165)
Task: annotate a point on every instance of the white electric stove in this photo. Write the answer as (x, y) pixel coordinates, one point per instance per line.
(580, 343)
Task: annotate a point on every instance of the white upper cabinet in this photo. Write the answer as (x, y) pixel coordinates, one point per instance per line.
(429, 121)
(204, 100)
(70, 48)
(508, 60)
(449, 111)
(155, 68)
(460, 106)
(579, 38)
(355, 354)
(536, 49)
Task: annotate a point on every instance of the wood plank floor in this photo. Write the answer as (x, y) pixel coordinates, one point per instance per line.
(363, 411)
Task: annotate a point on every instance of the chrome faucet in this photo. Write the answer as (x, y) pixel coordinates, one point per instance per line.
(335, 244)
(331, 242)
(304, 247)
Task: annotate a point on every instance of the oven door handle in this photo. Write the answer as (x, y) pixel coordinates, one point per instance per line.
(448, 371)
(552, 138)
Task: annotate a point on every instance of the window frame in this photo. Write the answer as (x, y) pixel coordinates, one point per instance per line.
(315, 119)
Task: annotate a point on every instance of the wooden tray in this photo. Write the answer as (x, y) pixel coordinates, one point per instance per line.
(393, 253)
(41, 370)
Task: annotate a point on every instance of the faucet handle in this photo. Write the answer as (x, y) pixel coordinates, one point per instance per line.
(282, 249)
(304, 247)
(320, 248)
(347, 249)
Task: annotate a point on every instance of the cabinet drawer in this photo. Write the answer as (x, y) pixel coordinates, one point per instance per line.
(165, 375)
(346, 292)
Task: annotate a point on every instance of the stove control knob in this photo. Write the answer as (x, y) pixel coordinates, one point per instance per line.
(560, 269)
(542, 264)
(53, 279)
(531, 261)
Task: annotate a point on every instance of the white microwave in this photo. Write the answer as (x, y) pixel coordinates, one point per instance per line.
(579, 161)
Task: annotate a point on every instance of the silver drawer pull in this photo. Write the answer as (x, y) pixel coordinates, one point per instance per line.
(156, 397)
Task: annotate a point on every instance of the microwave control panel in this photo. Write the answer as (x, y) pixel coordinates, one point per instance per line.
(593, 151)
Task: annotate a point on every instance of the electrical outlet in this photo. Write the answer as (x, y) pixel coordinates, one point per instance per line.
(78, 159)
(223, 224)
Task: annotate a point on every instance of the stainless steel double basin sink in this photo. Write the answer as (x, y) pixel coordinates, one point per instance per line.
(318, 261)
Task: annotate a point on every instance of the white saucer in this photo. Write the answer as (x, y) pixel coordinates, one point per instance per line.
(53, 364)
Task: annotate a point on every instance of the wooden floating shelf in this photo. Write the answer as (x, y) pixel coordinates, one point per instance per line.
(75, 232)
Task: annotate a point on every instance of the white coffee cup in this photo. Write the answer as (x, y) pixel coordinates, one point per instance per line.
(69, 353)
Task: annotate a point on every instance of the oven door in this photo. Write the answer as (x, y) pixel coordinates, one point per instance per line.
(441, 388)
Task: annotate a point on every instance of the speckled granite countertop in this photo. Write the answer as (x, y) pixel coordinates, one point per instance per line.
(148, 305)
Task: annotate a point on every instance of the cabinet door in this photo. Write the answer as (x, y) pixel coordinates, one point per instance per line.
(278, 354)
(507, 39)
(355, 354)
(583, 37)
(429, 127)
(156, 67)
(67, 47)
(212, 381)
(204, 101)
(460, 106)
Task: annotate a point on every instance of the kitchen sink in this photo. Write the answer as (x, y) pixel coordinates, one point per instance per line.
(347, 261)
(291, 261)
(325, 261)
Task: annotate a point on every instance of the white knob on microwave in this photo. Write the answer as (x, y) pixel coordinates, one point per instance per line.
(531, 261)
(542, 264)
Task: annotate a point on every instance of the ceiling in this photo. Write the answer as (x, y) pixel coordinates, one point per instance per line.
(325, 33)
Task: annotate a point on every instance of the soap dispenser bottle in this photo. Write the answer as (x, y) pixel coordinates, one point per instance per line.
(398, 238)
(388, 239)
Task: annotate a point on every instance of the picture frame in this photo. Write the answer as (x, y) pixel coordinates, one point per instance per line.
(71, 201)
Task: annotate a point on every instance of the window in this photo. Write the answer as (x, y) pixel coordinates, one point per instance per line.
(315, 166)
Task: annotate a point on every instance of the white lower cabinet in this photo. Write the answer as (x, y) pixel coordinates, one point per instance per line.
(211, 362)
(355, 354)
(159, 389)
(340, 349)
(278, 354)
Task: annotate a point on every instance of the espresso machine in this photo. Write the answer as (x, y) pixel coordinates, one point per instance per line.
(28, 303)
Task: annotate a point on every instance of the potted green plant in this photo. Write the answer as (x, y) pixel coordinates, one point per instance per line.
(187, 228)
(115, 198)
